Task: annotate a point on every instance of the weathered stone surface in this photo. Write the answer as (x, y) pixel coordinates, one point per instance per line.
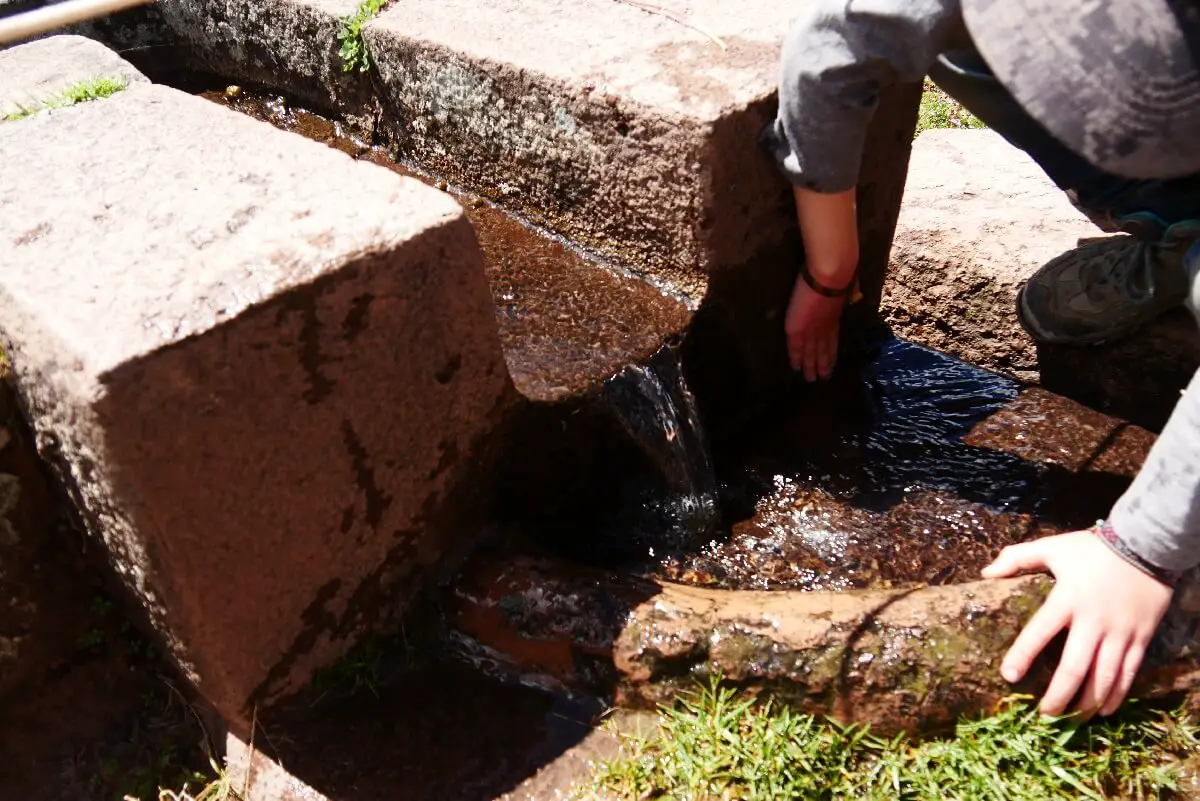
(979, 217)
(263, 372)
(634, 135)
(287, 45)
(33, 72)
(606, 112)
(630, 133)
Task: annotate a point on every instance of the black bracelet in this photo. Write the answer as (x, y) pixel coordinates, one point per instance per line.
(821, 289)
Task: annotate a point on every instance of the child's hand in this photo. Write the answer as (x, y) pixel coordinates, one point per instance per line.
(830, 230)
(812, 331)
(1111, 608)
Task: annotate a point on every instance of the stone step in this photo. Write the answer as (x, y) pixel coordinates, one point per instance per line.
(979, 217)
(630, 133)
(264, 373)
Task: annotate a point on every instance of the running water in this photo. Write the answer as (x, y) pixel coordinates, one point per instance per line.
(656, 409)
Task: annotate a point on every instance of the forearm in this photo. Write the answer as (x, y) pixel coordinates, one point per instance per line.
(837, 58)
(1158, 518)
(830, 230)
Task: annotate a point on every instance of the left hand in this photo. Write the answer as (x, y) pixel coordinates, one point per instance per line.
(1111, 608)
(812, 331)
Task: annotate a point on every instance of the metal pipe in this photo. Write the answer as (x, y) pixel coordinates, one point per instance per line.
(48, 18)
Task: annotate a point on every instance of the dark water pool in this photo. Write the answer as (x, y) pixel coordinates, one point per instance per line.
(910, 466)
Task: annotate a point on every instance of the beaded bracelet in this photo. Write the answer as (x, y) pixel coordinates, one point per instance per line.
(1108, 535)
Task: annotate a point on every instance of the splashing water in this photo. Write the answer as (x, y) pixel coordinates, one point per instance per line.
(654, 406)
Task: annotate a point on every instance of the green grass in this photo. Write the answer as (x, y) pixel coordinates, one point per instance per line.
(939, 110)
(716, 745)
(352, 46)
(79, 92)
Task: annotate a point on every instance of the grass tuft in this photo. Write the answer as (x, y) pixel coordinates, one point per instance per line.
(79, 92)
(939, 110)
(716, 745)
(353, 47)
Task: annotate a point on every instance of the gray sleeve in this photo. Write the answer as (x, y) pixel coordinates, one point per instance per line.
(837, 57)
(1158, 517)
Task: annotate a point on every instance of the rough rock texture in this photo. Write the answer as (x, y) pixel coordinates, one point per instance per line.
(36, 604)
(262, 371)
(608, 114)
(630, 133)
(287, 45)
(634, 135)
(979, 217)
(33, 72)
(907, 659)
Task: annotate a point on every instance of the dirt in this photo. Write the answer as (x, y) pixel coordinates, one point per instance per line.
(89, 708)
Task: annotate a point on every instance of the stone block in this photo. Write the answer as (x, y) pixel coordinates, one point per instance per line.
(287, 45)
(33, 72)
(264, 373)
(630, 130)
(979, 217)
(634, 134)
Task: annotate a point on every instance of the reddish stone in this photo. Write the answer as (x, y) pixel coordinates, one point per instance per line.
(264, 372)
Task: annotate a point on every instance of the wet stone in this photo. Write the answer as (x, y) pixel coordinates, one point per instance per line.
(1042, 427)
(913, 467)
(567, 320)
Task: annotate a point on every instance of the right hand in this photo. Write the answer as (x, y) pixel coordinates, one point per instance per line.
(830, 229)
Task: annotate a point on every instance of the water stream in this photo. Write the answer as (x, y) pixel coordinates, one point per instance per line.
(909, 466)
(656, 409)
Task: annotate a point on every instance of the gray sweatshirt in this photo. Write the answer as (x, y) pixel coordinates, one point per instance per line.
(838, 56)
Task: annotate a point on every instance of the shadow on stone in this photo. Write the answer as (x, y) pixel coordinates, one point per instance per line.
(1138, 378)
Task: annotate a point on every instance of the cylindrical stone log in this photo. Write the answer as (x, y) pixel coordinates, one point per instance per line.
(900, 659)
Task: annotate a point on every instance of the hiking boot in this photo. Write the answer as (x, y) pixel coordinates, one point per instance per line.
(1107, 288)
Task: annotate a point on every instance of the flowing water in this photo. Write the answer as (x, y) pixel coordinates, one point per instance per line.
(656, 409)
(910, 466)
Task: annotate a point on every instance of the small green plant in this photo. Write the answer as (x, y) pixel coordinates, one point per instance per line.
(101, 608)
(368, 665)
(939, 110)
(718, 745)
(79, 92)
(218, 787)
(353, 47)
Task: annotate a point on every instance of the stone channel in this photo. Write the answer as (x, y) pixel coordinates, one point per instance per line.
(502, 341)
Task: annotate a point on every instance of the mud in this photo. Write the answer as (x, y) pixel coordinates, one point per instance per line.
(567, 320)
